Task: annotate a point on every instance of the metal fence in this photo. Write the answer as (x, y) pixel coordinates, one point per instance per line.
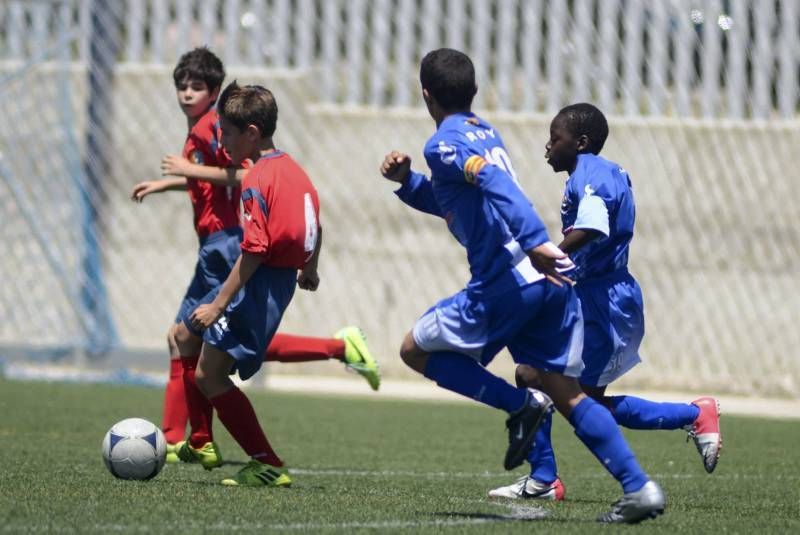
(687, 58)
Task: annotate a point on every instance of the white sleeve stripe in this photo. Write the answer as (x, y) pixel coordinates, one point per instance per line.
(592, 214)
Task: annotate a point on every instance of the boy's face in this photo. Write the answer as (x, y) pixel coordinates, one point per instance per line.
(240, 144)
(194, 97)
(562, 149)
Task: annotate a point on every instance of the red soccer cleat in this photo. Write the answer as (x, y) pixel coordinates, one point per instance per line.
(706, 433)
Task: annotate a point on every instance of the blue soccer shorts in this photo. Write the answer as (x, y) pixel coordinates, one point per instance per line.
(218, 253)
(250, 321)
(539, 323)
(613, 322)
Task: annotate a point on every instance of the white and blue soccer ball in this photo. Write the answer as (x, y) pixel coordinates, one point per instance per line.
(134, 448)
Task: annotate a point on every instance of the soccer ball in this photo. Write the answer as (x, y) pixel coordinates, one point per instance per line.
(134, 449)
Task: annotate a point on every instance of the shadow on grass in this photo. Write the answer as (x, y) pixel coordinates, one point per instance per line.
(492, 517)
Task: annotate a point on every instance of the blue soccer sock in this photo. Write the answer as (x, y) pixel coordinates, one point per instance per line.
(638, 413)
(596, 428)
(463, 375)
(541, 457)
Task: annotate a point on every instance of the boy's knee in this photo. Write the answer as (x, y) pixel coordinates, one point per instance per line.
(171, 343)
(414, 357)
(527, 376)
(184, 339)
(201, 378)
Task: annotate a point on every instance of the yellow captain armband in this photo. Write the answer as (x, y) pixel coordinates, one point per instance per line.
(472, 167)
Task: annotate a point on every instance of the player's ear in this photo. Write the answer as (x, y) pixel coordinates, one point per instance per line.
(582, 143)
(252, 132)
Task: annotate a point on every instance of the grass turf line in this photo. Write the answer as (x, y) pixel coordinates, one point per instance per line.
(365, 466)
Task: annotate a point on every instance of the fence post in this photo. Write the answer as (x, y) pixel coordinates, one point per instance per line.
(104, 45)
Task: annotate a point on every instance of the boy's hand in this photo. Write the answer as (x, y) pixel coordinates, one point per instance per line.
(204, 316)
(143, 189)
(308, 279)
(547, 258)
(396, 166)
(172, 164)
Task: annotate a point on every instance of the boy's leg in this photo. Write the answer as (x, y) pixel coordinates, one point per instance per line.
(291, 348)
(238, 416)
(700, 418)
(348, 345)
(543, 482)
(596, 428)
(200, 447)
(463, 375)
(638, 413)
(176, 413)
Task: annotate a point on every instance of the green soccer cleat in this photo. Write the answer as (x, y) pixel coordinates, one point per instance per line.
(357, 356)
(258, 474)
(208, 456)
(172, 453)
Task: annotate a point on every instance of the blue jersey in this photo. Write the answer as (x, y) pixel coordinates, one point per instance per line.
(598, 197)
(473, 187)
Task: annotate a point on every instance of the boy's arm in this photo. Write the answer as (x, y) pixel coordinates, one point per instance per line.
(308, 278)
(507, 198)
(143, 189)
(205, 315)
(577, 238)
(415, 190)
(220, 176)
(592, 220)
(518, 213)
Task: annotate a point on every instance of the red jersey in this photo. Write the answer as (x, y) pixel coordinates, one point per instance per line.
(215, 207)
(281, 212)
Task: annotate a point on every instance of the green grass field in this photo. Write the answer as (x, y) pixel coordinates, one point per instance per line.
(382, 466)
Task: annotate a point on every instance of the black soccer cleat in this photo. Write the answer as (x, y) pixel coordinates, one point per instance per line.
(522, 426)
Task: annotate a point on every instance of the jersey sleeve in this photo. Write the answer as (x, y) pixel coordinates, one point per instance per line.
(594, 197)
(417, 192)
(255, 213)
(454, 162)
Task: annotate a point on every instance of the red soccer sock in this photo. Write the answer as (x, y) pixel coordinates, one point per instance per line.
(290, 348)
(200, 409)
(237, 415)
(176, 413)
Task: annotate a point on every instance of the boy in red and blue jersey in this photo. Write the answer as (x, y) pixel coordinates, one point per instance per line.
(213, 184)
(280, 249)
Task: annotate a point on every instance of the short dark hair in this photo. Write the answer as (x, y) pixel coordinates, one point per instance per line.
(200, 64)
(449, 77)
(585, 119)
(249, 104)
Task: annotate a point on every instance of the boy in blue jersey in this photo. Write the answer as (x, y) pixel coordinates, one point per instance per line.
(598, 213)
(516, 297)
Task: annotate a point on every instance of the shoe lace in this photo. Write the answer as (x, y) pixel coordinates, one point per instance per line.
(521, 485)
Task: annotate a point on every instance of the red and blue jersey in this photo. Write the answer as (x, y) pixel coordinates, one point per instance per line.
(215, 207)
(281, 212)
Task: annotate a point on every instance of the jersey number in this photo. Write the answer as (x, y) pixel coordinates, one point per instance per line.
(499, 157)
(312, 229)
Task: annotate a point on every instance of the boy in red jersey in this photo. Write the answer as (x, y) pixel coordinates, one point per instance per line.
(213, 186)
(280, 249)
